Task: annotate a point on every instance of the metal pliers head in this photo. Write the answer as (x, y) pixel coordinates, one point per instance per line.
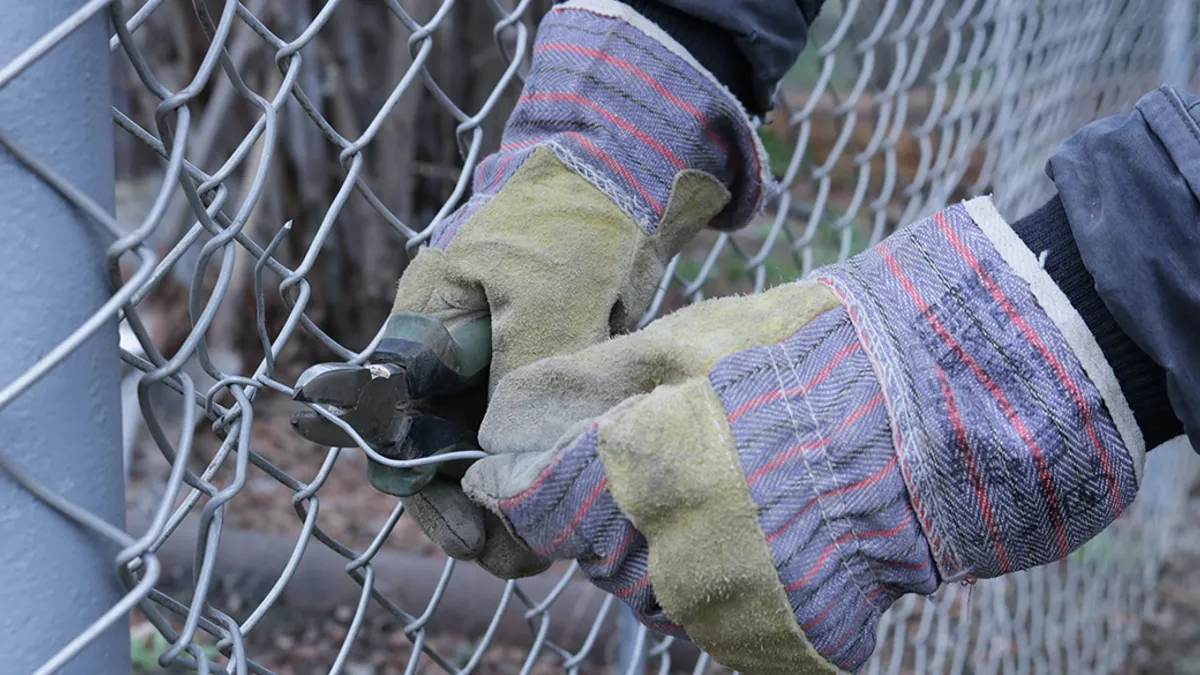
(398, 401)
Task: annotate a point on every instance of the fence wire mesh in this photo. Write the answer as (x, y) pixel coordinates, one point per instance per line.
(307, 148)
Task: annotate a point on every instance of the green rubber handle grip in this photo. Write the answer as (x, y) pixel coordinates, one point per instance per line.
(473, 344)
(442, 358)
(439, 361)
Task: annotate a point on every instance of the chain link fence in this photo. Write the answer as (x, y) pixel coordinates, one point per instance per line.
(275, 162)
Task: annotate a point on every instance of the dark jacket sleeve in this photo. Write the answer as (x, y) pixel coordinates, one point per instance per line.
(1131, 188)
(1122, 239)
(749, 45)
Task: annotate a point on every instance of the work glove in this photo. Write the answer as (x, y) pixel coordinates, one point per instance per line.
(766, 475)
(620, 149)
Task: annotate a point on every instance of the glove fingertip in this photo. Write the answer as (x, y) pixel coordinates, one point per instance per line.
(505, 555)
(449, 519)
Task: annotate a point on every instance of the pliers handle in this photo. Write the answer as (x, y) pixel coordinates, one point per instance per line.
(419, 364)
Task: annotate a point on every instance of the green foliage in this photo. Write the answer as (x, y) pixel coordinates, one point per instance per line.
(145, 652)
(462, 654)
(1108, 550)
(779, 150)
(781, 267)
(827, 243)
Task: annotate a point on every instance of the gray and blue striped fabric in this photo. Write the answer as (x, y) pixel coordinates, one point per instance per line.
(1011, 457)
(934, 427)
(627, 112)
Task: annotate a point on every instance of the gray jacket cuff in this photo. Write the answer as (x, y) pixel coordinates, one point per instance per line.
(1130, 185)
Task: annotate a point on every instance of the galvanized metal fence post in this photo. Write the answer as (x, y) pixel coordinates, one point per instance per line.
(56, 578)
(1179, 23)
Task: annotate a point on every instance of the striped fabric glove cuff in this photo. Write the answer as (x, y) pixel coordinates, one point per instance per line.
(812, 436)
(930, 410)
(1012, 434)
(569, 513)
(627, 108)
(812, 433)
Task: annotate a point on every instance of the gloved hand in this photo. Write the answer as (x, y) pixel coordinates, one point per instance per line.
(620, 150)
(766, 475)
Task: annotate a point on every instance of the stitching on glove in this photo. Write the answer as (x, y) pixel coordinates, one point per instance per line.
(826, 360)
(444, 231)
(620, 196)
(898, 409)
(799, 390)
(422, 499)
(834, 437)
(798, 435)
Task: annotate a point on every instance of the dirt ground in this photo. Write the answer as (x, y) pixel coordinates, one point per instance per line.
(309, 645)
(1171, 635)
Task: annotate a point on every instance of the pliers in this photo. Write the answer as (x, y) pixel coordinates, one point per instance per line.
(417, 396)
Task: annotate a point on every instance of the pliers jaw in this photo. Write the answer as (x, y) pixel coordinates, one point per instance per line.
(368, 398)
(387, 400)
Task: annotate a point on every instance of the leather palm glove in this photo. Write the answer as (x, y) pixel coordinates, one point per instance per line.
(620, 149)
(766, 475)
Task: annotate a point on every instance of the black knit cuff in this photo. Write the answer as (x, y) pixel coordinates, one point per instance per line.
(1047, 233)
(711, 45)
